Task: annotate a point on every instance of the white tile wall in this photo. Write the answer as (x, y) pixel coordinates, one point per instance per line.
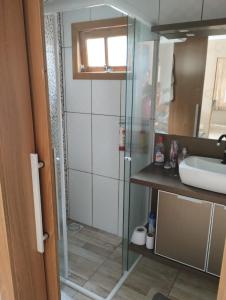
(78, 92)
(80, 197)
(105, 145)
(104, 12)
(105, 204)
(122, 165)
(120, 211)
(69, 17)
(79, 141)
(93, 111)
(123, 97)
(106, 97)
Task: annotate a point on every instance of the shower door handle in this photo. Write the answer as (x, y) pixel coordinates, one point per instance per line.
(40, 237)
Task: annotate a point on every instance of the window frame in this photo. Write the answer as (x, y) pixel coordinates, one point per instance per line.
(94, 29)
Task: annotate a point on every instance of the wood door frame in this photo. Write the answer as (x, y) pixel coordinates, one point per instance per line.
(34, 24)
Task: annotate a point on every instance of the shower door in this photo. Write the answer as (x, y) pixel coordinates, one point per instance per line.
(54, 66)
(140, 94)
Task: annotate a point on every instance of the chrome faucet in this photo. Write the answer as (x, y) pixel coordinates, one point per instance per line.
(219, 143)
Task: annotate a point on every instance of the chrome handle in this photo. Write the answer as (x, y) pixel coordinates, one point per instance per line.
(195, 130)
(40, 237)
(189, 199)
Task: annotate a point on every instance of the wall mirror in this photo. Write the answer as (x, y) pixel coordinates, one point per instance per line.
(191, 86)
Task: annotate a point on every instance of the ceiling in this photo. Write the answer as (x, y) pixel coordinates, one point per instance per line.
(144, 10)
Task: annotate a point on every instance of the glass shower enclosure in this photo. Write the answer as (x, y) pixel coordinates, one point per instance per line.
(139, 125)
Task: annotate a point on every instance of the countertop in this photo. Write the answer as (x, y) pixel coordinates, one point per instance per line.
(169, 180)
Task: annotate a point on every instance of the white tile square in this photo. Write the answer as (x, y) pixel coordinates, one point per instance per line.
(120, 210)
(105, 204)
(69, 17)
(105, 145)
(123, 98)
(78, 92)
(122, 165)
(80, 197)
(79, 141)
(104, 12)
(106, 97)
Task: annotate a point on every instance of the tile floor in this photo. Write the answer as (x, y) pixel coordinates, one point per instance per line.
(95, 260)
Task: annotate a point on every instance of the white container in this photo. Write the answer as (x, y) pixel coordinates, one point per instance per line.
(150, 240)
(139, 236)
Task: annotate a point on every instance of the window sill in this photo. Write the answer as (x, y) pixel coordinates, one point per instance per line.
(100, 75)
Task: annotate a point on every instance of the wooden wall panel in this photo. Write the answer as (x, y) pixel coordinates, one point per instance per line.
(6, 279)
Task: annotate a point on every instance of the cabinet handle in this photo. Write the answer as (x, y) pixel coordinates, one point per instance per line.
(189, 199)
(40, 237)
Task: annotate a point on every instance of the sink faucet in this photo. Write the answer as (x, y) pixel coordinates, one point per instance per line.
(218, 144)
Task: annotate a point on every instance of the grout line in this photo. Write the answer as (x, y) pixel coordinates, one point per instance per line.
(174, 282)
(159, 11)
(202, 9)
(92, 173)
(92, 183)
(94, 114)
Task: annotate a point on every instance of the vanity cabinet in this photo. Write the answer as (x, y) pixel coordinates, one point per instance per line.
(217, 240)
(183, 227)
(177, 11)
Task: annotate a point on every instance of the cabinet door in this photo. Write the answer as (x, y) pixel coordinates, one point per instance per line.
(177, 11)
(183, 229)
(214, 9)
(217, 240)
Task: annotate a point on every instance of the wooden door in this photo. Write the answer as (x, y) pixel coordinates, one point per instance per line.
(189, 73)
(25, 277)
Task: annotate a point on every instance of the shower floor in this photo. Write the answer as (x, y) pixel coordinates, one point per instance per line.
(95, 258)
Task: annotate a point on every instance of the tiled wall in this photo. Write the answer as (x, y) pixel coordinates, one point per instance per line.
(92, 112)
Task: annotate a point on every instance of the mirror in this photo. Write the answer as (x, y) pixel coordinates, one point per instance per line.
(191, 87)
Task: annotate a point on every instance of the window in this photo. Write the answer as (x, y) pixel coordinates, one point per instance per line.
(100, 49)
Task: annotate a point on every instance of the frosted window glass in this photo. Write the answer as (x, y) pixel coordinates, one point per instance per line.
(117, 51)
(96, 52)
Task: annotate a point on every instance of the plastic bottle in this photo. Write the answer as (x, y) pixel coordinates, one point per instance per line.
(160, 151)
(151, 222)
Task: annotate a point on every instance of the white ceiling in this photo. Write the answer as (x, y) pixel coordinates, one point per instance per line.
(145, 10)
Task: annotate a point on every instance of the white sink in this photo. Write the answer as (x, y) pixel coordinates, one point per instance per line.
(205, 173)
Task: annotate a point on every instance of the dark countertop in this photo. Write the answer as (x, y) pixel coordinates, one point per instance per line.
(169, 180)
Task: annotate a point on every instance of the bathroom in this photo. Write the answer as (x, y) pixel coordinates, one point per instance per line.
(109, 123)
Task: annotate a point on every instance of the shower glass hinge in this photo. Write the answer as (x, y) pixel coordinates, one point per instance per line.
(128, 158)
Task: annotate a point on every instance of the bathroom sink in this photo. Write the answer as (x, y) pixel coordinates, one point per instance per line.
(203, 172)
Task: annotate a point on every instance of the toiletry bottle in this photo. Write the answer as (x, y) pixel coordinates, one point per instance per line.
(159, 151)
(173, 154)
(151, 222)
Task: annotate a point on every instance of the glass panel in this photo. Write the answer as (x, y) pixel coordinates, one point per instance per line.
(117, 51)
(141, 78)
(96, 52)
(53, 68)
